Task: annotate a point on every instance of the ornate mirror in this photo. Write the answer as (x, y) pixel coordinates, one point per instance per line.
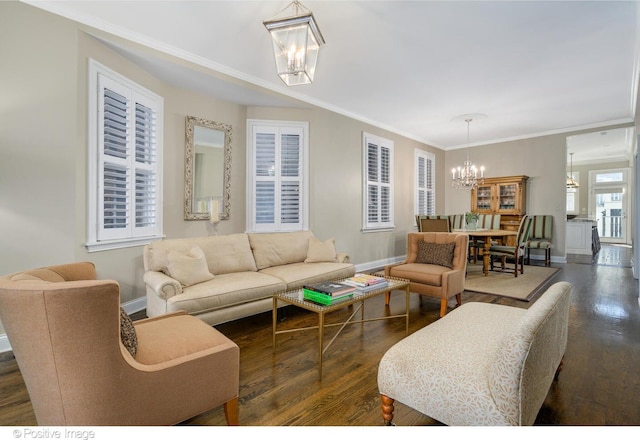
(207, 170)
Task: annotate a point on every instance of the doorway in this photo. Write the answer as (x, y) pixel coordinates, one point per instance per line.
(609, 204)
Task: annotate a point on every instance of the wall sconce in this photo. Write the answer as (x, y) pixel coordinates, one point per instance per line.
(296, 43)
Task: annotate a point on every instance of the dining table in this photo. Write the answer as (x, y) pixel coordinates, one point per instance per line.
(487, 235)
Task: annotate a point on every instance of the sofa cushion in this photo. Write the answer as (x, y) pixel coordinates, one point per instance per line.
(321, 251)
(164, 340)
(189, 269)
(224, 253)
(278, 248)
(429, 274)
(435, 253)
(225, 290)
(297, 274)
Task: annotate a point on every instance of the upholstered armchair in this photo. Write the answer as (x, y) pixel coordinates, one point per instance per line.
(85, 363)
(435, 266)
(540, 237)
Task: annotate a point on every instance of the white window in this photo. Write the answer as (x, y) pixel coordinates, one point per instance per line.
(277, 169)
(425, 192)
(125, 162)
(378, 182)
(573, 196)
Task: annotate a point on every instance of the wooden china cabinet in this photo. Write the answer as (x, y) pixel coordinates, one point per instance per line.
(505, 196)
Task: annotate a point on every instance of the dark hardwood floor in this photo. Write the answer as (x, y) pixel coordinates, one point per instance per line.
(599, 383)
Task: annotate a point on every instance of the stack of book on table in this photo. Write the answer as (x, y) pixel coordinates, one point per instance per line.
(364, 282)
(328, 292)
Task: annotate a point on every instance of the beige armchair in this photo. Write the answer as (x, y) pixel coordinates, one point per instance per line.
(64, 327)
(428, 276)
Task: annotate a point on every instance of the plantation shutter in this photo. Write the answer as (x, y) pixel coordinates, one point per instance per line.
(278, 178)
(425, 184)
(128, 189)
(378, 162)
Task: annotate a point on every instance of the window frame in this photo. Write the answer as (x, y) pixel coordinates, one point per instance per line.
(301, 128)
(380, 143)
(430, 184)
(98, 237)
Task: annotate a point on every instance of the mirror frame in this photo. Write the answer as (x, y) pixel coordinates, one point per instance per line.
(189, 159)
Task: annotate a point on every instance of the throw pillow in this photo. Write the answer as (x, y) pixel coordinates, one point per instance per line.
(321, 251)
(128, 333)
(189, 269)
(436, 253)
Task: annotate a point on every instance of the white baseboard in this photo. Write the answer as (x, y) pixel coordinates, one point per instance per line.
(4, 343)
(373, 265)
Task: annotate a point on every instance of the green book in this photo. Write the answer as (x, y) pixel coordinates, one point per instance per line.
(324, 299)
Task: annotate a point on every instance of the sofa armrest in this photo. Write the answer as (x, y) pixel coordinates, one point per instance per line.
(342, 257)
(163, 285)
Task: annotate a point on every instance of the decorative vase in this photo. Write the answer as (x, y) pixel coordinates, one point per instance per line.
(471, 226)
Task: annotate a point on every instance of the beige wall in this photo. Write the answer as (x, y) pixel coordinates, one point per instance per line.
(43, 139)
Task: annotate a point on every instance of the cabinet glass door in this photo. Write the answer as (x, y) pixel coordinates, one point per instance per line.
(507, 196)
(483, 198)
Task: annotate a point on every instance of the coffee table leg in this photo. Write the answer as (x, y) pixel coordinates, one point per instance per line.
(275, 320)
(320, 342)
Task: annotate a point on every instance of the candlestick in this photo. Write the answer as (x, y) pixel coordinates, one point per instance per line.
(214, 213)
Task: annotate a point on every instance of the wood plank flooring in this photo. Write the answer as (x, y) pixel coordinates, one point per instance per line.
(599, 384)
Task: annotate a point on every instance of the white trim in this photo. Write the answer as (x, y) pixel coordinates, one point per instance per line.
(303, 126)
(381, 143)
(428, 156)
(145, 97)
(97, 246)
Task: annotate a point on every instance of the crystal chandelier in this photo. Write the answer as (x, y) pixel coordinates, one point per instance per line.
(296, 43)
(466, 177)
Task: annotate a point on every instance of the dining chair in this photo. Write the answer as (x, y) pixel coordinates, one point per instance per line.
(434, 225)
(516, 252)
(540, 237)
(420, 217)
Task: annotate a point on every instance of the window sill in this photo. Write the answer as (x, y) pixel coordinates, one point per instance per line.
(380, 229)
(109, 245)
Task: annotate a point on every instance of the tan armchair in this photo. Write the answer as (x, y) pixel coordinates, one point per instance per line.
(433, 280)
(64, 327)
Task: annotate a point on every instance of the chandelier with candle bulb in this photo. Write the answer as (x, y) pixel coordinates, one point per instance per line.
(467, 176)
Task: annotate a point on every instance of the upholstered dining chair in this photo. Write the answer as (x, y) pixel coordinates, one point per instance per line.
(84, 362)
(434, 225)
(420, 217)
(502, 252)
(540, 237)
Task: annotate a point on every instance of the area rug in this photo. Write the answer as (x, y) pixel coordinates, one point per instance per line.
(523, 287)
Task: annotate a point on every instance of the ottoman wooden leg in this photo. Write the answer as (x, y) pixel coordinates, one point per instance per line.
(387, 409)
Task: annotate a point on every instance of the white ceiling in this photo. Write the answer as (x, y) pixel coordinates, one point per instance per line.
(412, 67)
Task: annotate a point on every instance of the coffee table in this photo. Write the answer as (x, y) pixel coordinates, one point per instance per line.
(295, 297)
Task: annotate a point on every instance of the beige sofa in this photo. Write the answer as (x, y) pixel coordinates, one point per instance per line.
(482, 364)
(240, 275)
